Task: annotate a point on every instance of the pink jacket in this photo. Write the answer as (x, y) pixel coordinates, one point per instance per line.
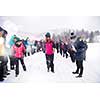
(18, 51)
(49, 48)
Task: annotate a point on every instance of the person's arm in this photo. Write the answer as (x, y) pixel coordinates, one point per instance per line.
(24, 49)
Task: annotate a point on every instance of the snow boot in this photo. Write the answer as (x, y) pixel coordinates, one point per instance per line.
(79, 76)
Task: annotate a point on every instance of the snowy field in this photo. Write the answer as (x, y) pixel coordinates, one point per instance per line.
(37, 71)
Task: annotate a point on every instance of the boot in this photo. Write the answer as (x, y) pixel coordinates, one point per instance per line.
(1, 79)
(79, 76)
(24, 67)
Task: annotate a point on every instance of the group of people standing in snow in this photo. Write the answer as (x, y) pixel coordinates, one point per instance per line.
(20, 49)
(76, 50)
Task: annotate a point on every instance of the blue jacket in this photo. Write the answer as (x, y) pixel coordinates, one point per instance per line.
(81, 48)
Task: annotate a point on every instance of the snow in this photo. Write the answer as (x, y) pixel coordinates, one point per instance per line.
(37, 71)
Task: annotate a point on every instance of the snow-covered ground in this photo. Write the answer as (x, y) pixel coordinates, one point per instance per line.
(37, 71)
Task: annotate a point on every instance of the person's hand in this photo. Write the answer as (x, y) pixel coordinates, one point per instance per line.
(53, 50)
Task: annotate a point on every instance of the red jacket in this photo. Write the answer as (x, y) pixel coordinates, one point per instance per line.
(18, 52)
(49, 47)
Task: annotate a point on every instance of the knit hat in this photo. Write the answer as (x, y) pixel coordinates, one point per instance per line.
(47, 34)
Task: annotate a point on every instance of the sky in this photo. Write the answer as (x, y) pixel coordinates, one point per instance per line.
(35, 24)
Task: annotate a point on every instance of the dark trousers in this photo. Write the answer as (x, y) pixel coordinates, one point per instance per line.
(79, 67)
(17, 65)
(27, 54)
(57, 49)
(3, 66)
(61, 51)
(49, 62)
(12, 62)
(65, 54)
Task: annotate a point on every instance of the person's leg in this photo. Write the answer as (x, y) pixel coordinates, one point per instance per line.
(47, 62)
(57, 50)
(78, 67)
(28, 53)
(5, 66)
(11, 62)
(17, 67)
(80, 64)
(63, 53)
(1, 69)
(60, 51)
(52, 64)
(25, 54)
(66, 55)
(81, 68)
(23, 64)
(1, 72)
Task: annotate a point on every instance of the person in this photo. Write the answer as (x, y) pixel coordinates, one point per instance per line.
(71, 51)
(6, 71)
(65, 50)
(18, 53)
(3, 59)
(57, 46)
(12, 41)
(81, 47)
(61, 48)
(43, 46)
(27, 47)
(49, 52)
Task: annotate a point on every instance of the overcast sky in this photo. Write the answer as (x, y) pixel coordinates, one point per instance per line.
(44, 23)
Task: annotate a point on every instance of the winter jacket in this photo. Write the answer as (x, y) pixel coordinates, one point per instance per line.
(26, 42)
(2, 47)
(18, 51)
(49, 48)
(81, 48)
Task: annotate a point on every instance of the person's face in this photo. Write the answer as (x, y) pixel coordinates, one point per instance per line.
(48, 38)
(19, 43)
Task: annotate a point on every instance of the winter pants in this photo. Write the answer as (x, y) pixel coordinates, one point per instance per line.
(3, 66)
(79, 64)
(57, 49)
(17, 65)
(49, 62)
(12, 62)
(61, 51)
